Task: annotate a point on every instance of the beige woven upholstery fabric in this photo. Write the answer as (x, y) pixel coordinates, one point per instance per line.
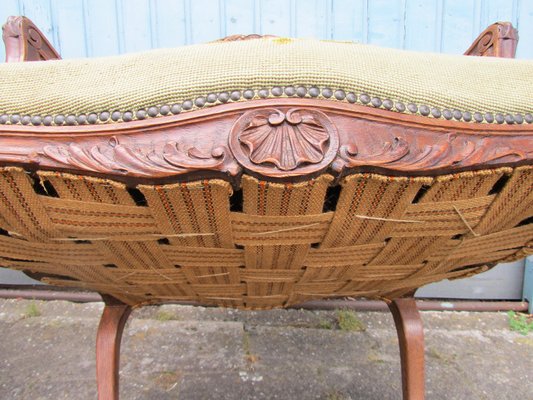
(137, 81)
(386, 236)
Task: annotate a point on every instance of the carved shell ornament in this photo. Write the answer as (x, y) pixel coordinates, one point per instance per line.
(283, 143)
(286, 140)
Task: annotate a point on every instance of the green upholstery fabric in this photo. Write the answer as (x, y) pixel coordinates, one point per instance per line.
(136, 81)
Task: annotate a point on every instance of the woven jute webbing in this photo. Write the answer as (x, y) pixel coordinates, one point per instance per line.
(381, 237)
(138, 81)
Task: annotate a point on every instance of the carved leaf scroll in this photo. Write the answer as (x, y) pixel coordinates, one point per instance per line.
(410, 149)
(127, 159)
(335, 139)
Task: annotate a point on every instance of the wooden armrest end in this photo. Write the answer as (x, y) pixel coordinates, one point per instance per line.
(25, 42)
(498, 40)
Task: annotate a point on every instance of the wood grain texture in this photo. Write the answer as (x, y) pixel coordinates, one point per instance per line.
(210, 142)
(411, 341)
(273, 142)
(498, 40)
(240, 37)
(108, 339)
(25, 42)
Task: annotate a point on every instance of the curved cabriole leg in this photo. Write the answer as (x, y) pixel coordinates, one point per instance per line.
(411, 339)
(108, 339)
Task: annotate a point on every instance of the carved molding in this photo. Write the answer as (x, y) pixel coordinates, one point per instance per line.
(25, 42)
(405, 149)
(112, 157)
(278, 138)
(277, 142)
(498, 40)
(286, 140)
(237, 38)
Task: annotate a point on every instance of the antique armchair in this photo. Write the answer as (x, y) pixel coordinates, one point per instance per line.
(263, 172)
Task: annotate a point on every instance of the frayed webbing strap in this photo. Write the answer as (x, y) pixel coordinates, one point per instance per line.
(382, 237)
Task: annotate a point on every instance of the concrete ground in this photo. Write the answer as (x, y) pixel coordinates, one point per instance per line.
(180, 352)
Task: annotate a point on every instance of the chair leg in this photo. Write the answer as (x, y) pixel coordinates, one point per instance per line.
(108, 339)
(411, 339)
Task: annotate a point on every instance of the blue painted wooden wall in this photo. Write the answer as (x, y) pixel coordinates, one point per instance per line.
(91, 28)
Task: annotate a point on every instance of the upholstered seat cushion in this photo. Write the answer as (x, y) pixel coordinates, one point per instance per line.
(335, 70)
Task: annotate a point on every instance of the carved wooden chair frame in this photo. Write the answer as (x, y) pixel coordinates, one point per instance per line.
(46, 146)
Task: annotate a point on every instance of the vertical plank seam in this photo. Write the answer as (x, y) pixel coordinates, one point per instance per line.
(292, 19)
(440, 24)
(329, 20)
(188, 26)
(55, 26)
(154, 36)
(514, 13)
(86, 30)
(404, 13)
(222, 19)
(476, 21)
(482, 15)
(366, 21)
(119, 30)
(257, 16)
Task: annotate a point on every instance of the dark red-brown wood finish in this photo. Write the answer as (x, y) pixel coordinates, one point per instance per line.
(112, 323)
(498, 40)
(411, 341)
(219, 141)
(25, 42)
